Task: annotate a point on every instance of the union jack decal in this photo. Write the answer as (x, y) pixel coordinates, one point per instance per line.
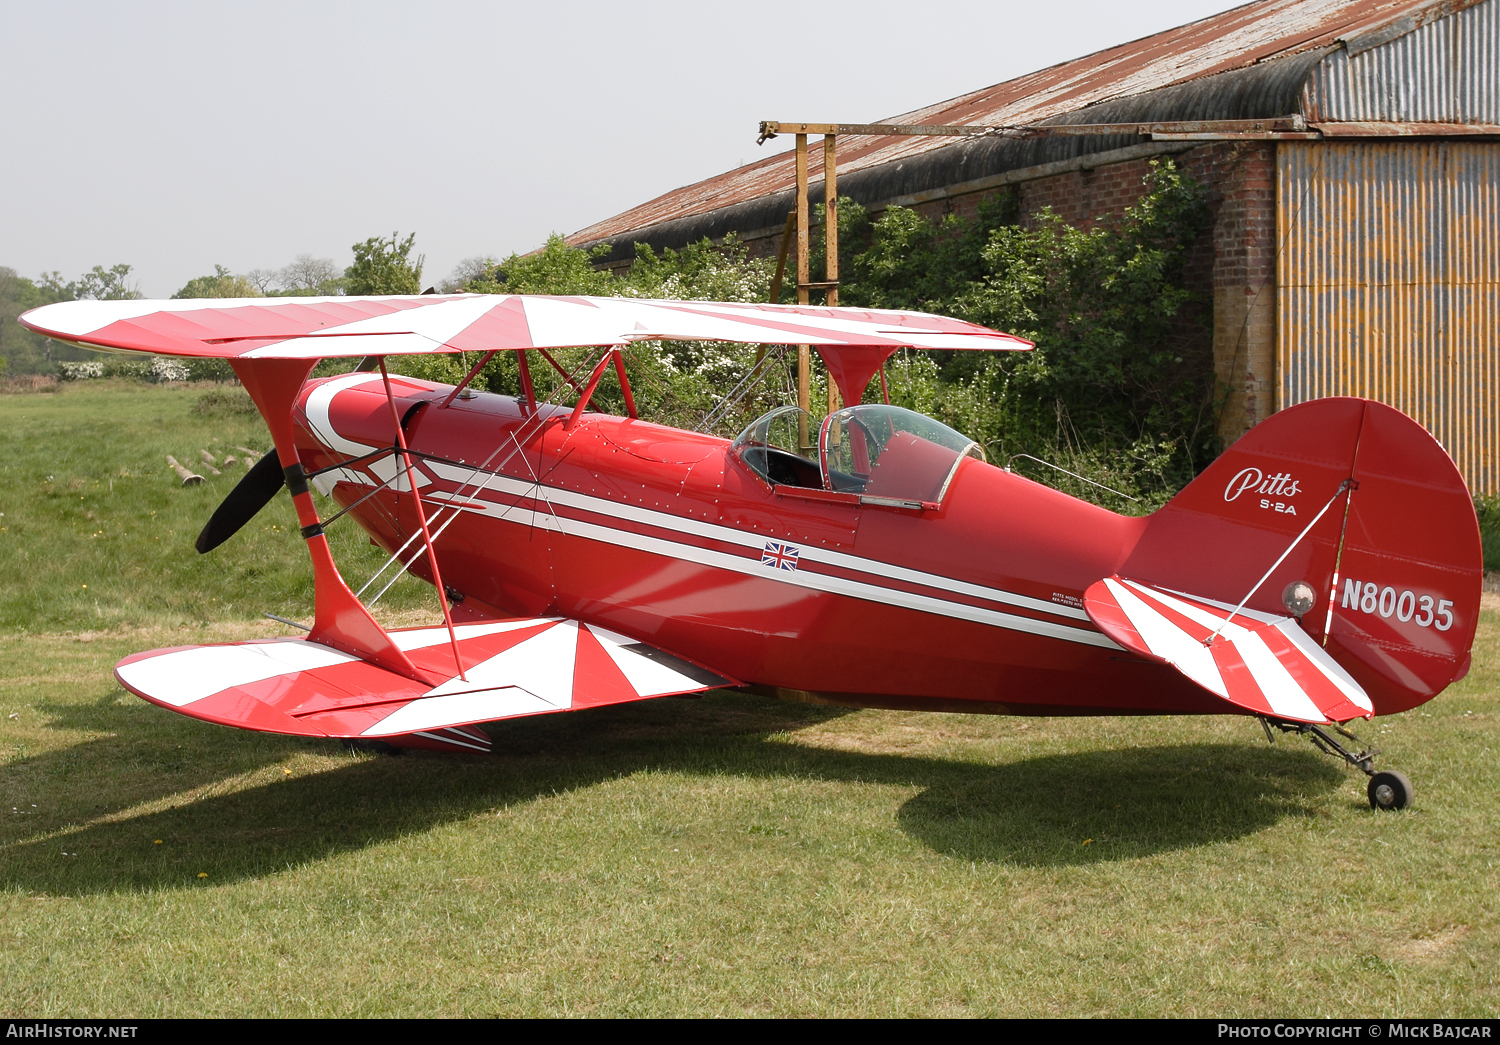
(780, 556)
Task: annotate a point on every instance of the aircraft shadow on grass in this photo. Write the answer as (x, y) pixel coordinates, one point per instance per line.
(1052, 810)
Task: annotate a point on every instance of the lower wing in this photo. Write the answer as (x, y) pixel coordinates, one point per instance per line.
(512, 668)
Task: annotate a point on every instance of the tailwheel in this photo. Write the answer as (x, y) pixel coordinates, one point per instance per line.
(1390, 790)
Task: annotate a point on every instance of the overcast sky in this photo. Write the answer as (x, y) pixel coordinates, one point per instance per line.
(173, 136)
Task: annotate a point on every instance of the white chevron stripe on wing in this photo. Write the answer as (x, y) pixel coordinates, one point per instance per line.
(1331, 669)
(81, 318)
(1283, 694)
(421, 329)
(180, 677)
(542, 666)
(1319, 658)
(457, 709)
(422, 638)
(686, 320)
(557, 323)
(1169, 642)
(646, 676)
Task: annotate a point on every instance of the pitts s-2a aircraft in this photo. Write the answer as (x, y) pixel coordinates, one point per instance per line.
(1325, 568)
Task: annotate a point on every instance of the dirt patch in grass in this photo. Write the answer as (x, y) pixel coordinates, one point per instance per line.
(1439, 948)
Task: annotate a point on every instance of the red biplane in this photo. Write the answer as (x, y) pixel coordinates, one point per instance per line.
(1325, 568)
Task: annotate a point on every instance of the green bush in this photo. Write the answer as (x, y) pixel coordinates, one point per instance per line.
(230, 402)
(1112, 390)
(1488, 510)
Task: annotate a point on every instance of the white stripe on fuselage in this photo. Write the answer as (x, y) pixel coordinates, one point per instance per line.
(316, 407)
(752, 566)
(729, 535)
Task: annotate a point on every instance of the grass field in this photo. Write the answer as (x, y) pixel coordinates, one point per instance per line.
(723, 856)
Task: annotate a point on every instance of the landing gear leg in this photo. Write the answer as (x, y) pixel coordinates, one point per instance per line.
(1388, 789)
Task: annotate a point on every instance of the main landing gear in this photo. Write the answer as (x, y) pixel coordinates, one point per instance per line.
(1388, 789)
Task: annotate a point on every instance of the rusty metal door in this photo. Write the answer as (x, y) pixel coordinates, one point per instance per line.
(1388, 273)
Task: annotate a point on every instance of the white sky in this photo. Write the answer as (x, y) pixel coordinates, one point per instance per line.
(171, 136)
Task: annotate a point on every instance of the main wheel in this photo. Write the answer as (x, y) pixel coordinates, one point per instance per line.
(1390, 790)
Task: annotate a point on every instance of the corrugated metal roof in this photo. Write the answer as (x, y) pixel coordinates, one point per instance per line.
(1262, 41)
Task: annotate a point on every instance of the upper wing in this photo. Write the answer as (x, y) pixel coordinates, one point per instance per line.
(1260, 662)
(512, 668)
(315, 328)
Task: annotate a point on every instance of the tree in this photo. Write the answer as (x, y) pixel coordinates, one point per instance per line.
(309, 275)
(381, 266)
(104, 284)
(220, 285)
(555, 269)
(478, 267)
(23, 351)
(261, 279)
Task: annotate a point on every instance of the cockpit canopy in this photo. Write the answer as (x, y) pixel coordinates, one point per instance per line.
(879, 452)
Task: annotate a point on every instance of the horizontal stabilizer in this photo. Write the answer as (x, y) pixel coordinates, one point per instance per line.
(528, 666)
(1261, 662)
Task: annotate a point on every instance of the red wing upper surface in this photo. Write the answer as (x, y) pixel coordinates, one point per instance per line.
(512, 668)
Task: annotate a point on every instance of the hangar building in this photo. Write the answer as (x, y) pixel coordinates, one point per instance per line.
(1355, 241)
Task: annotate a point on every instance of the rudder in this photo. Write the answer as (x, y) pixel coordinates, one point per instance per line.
(1395, 559)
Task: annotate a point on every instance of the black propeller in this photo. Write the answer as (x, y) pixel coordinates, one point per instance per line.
(250, 495)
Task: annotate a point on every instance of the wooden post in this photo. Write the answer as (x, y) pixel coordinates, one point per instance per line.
(831, 219)
(804, 276)
(786, 243)
(831, 240)
(775, 294)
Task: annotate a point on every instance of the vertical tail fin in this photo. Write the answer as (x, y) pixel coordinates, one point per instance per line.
(1396, 561)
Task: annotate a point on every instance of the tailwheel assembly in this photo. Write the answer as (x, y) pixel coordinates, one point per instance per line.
(1388, 789)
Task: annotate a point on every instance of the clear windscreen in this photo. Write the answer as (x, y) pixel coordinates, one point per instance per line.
(888, 451)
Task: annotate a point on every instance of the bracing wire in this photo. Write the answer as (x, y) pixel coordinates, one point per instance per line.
(455, 509)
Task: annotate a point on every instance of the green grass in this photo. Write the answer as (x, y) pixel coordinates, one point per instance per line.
(98, 532)
(729, 855)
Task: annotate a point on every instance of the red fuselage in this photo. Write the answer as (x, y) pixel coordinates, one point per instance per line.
(973, 603)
